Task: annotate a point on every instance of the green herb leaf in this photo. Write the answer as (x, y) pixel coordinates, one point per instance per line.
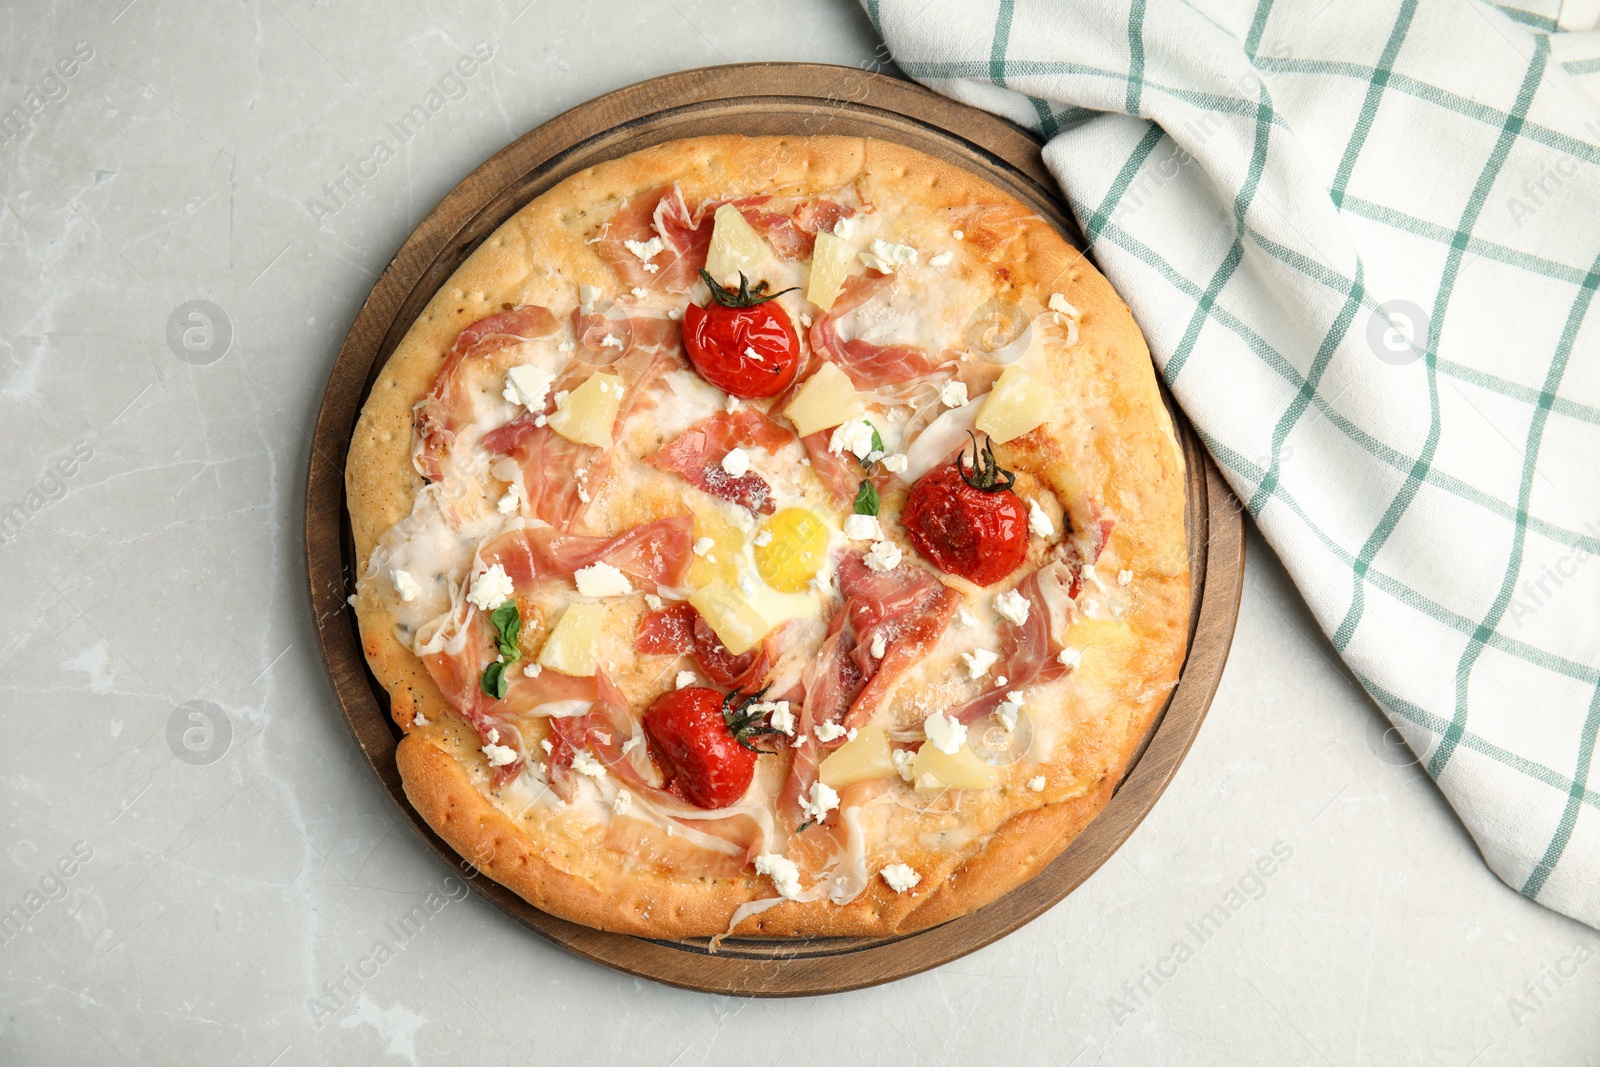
(867, 499)
(494, 680)
(877, 441)
(507, 622)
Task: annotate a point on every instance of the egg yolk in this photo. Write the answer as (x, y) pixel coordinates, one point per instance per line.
(795, 553)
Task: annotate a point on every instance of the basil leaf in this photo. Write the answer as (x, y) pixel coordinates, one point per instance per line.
(877, 441)
(507, 622)
(867, 499)
(494, 680)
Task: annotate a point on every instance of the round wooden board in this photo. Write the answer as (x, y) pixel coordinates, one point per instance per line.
(767, 98)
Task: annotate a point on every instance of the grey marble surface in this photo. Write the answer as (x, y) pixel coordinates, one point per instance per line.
(193, 843)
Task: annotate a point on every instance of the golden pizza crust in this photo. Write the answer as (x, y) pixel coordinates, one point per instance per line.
(1135, 468)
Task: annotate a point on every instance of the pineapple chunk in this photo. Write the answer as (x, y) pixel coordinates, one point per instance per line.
(1017, 403)
(721, 560)
(826, 399)
(573, 647)
(735, 246)
(737, 622)
(932, 770)
(742, 618)
(862, 760)
(830, 262)
(589, 412)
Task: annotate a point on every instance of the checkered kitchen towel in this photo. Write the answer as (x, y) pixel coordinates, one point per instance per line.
(1363, 240)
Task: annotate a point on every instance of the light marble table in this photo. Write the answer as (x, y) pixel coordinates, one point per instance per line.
(155, 564)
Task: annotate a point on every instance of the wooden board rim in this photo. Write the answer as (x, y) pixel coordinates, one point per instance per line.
(613, 124)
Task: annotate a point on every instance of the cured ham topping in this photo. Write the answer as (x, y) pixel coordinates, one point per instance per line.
(663, 215)
(1028, 653)
(550, 464)
(838, 471)
(679, 630)
(447, 408)
(698, 452)
(867, 364)
(654, 554)
(907, 607)
(792, 236)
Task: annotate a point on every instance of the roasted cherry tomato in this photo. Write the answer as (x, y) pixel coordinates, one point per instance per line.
(964, 519)
(703, 743)
(741, 342)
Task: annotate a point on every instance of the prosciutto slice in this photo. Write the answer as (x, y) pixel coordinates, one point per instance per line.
(447, 408)
(679, 630)
(654, 554)
(1028, 652)
(838, 471)
(557, 473)
(550, 464)
(662, 214)
(867, 364)
(908, 608)
(698, 452)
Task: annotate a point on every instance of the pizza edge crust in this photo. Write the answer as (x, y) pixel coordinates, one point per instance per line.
(381, 485)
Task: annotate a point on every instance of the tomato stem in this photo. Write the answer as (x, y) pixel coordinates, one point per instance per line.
(986, 473)
(743, 723)
(744, 296)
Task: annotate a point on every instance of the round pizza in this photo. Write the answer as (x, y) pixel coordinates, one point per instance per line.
(775, 536)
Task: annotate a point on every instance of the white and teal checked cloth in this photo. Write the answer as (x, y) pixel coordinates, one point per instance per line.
(1363, 240)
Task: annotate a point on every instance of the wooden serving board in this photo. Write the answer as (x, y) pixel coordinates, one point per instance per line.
(765, 98)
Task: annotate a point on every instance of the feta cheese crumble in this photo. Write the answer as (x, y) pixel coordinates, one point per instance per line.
(646, 249)
(736, 462)
(883, 556)
(899, 877)
(1012, 606)
(1036, 783)
(1008, 710)
(602, 579)
(979, 661)
(863, 528)
(783, 872)
(511, 501)
(966, 618)
(499, 755)
(879, 646)
(762, 539)
(611, 340)
(902, 762)
(942, 259)
(823, 800)
(684, 680)
(622, 802)
(1038, 522)
(405, 585)
(828, 731)
(532, 670)
(527, 386)
(885, 256)
(1058, 303)
(1124, 577)
(946, 734)
(953, 394)
(1069, 658)
(703, 545)
(419, 719)
(853, 436)
(584, 763)
(491, 588)
(779, 716)
(896, 463)
(652, 602)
